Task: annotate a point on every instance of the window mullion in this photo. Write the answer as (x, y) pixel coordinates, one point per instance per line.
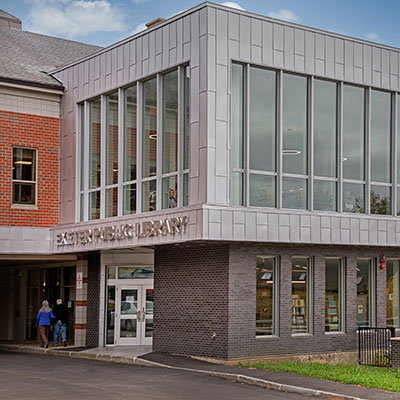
(121, 155)
(246, 136)
(310, 144)
(139, 147)
(279, 106)
(181, 113)
(339, 158)
(160, 139)
(87, 150)
(367, 150)
(103, 158)
(394, 160)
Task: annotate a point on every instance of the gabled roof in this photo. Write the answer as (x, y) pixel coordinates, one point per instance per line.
(27, 57)
(6, 15)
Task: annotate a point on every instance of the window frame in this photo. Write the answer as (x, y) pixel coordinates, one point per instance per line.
(35, 182)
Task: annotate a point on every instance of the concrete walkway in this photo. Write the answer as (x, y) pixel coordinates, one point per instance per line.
(270, 379)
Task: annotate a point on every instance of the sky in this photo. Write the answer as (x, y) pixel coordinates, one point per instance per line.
(103, 22)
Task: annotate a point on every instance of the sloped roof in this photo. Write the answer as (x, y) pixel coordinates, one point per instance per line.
(4, 14)
(27, 57)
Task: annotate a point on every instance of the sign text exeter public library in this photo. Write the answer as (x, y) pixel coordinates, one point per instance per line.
(124, 231)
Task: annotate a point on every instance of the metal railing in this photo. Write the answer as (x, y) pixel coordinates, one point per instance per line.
(374, 346)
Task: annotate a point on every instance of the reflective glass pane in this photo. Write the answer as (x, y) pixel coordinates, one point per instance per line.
(294, 193)
(398, 201)
(149, 128)
(353, 132)
(112, 140)
(262, 190)
(149, 301)
(393, 294)
(145, 272)
(300, 284)
(325, 139)
(111, 202)
(110, 314)
(185, 189)
(262, 119)
(24, 193)
(170, 192)
(149, 327)
(237, 117)
(149, 189)
(237, 188)
(380, 200)
(95, 144)
(353, 198)
(128, 328)
(363, 292)
(129, 301)
(170, 122)
(81, 116)
(265, 273)
(94, 205)
(186, 120)
(130, 199)
(294, 124)
(380, 136)
(111, 273)
(81, 207)
(324, 196)
(24, 164)
(130, 133)
(333, 290)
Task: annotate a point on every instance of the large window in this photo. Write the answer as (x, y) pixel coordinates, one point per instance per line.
(333, 294)
(134, 147)
(305, 143)
(365, 289)
(24, 176)
(393, 294)
(265, 295)
(325, 145)
(300, 295)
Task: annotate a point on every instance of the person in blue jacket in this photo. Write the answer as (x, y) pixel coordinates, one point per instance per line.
(43, 320)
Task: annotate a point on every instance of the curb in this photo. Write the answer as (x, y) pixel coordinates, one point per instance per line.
(146, 363)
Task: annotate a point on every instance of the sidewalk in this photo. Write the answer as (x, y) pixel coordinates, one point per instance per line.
(271, 379)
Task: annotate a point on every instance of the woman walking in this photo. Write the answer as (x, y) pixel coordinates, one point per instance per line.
(43, 321)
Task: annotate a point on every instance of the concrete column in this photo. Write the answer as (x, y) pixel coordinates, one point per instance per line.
(81, 305)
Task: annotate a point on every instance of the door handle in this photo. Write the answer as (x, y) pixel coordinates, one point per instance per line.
(139, 316)
(143, 315)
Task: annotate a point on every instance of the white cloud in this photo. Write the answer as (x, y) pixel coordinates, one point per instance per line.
(139, 28)
(74, 18)
(373, 36)
(139, 1)
(285, 15)
(232, 5)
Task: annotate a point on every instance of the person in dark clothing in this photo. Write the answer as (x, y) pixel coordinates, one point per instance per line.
(61, 315)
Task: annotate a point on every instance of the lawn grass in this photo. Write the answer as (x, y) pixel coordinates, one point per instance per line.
(373, 377)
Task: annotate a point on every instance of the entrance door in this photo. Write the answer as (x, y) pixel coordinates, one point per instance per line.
(134, 315)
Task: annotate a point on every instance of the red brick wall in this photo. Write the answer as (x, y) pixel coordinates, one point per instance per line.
(41, 133)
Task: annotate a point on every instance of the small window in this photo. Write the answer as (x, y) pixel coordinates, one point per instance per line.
(300, 295)
(24, 176)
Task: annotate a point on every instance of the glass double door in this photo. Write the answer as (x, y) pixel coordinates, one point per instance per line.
(134, 315)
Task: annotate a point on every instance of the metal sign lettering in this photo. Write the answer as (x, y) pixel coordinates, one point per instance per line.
(125, 231)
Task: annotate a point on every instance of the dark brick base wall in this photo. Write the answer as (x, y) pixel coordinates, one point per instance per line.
(191, 300)
(207, 288)
(395, 353)
(93, 301)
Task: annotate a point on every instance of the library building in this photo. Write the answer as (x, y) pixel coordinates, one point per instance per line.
(228, 187)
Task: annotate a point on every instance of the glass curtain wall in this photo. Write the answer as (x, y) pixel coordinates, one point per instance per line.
(155, 117)
(380, 195)
(237, 135)
(262, 136)
(95, 159)
(170, 140)
(111, 172)
(393, 294)
(325, 145)
(294, 141)
(130, 150)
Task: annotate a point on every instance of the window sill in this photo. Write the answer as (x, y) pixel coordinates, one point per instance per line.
(24, 207)
(335, 333)
(301, 334)
(267, 337)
